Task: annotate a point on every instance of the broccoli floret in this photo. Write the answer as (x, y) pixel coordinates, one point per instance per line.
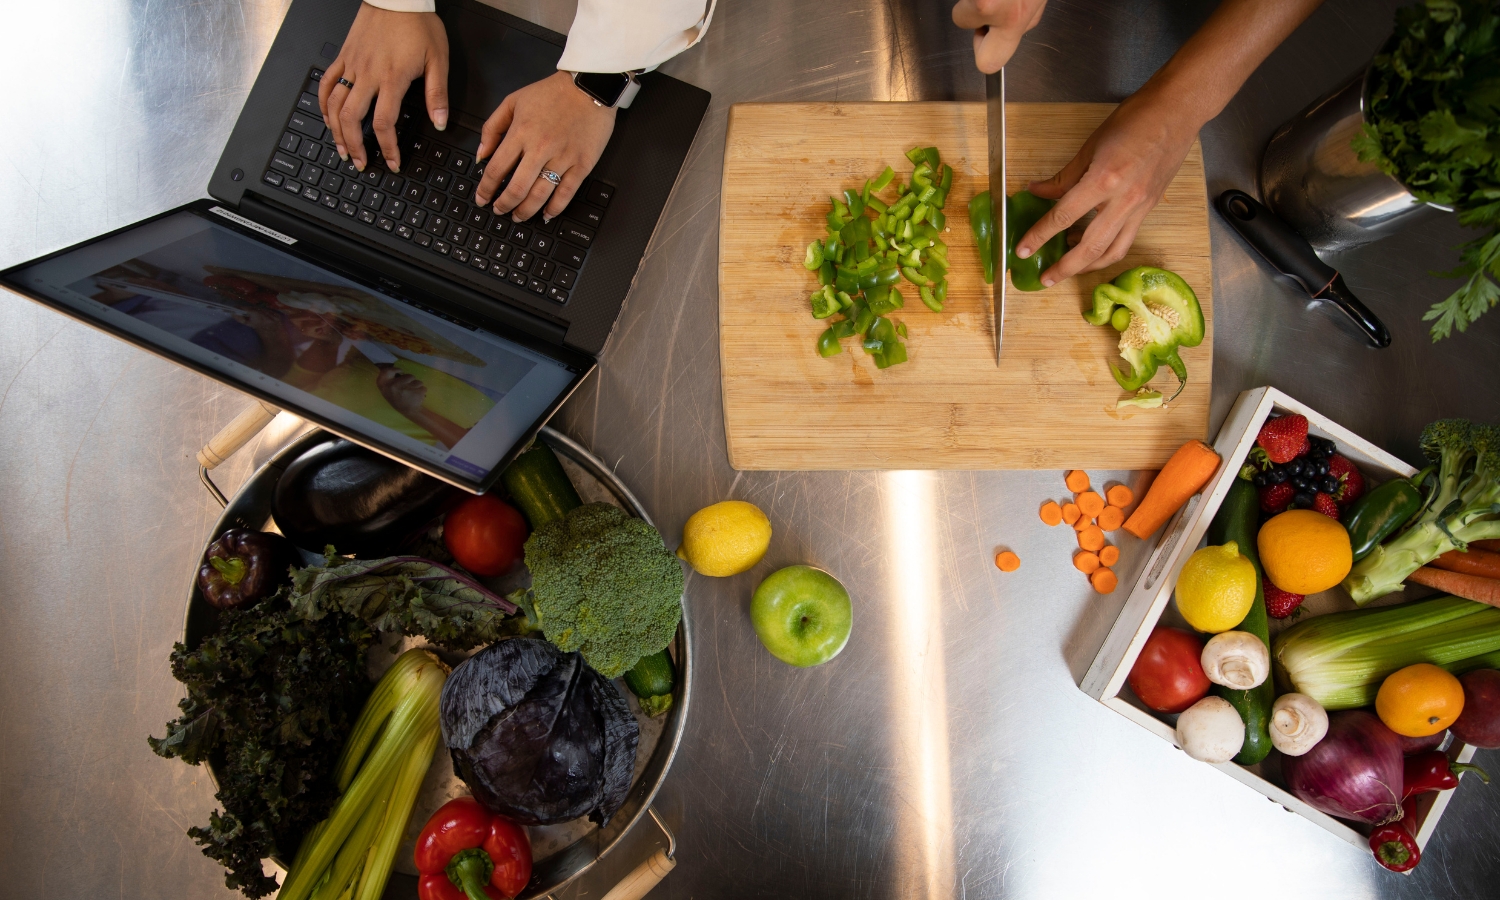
(604, 583)
(1462, 505)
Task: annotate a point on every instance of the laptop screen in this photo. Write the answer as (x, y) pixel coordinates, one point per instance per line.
(447, 396)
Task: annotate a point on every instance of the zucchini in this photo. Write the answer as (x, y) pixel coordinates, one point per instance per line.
(1238, 520)
(540, 487)
(651, 681)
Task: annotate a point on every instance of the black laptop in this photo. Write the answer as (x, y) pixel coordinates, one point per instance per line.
(385, 306)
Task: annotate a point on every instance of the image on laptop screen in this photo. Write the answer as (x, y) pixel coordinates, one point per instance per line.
(453, 396)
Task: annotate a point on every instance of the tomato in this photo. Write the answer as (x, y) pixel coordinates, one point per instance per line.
(485, 534)
(1168, 675)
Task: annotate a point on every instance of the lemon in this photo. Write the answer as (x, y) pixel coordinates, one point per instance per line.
(1216, 588)
(726, 538)
(1304, 551)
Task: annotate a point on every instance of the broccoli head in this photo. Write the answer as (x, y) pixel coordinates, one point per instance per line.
(604, 583)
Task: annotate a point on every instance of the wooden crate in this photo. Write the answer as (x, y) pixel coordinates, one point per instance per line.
(1149, 598)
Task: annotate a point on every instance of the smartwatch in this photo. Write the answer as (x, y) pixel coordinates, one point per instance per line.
(609, 89)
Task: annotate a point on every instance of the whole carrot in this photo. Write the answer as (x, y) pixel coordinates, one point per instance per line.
(1184, 475)
(1483, 563)
(1469, 587)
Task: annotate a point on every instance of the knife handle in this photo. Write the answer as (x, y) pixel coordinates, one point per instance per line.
(1291, 255)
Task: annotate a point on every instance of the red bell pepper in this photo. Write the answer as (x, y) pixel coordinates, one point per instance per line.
(1395, 843)
(1431, 771)
(465, 852)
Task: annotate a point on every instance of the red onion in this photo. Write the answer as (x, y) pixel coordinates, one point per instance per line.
(1355, 772)
(1411, 746)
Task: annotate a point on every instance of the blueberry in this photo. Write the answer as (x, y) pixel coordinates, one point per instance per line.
(1278, 476)
(1321, 468)
(1295, 467)
(1330, 484)
(1258, 479)
(1302, 499)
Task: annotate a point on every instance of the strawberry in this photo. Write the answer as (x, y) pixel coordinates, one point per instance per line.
(1284, 438)
(1351, 480)
(1275, 498)
(1325, 504)
(1279, 603)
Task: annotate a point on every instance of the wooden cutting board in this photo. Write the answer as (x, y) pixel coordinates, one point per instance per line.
(1051, 402)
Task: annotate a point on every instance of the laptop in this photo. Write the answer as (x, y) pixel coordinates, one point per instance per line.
(385, 306)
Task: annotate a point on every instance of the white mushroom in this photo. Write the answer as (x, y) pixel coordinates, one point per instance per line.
(1297, 724)
(1236, 659)
(1210, 730)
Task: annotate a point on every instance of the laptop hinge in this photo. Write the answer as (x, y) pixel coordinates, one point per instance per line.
(382, 262)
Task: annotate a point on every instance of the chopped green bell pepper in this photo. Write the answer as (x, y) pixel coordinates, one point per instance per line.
(982, 223)
(1164, 315)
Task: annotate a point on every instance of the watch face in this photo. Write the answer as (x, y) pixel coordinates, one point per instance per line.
(605, 87)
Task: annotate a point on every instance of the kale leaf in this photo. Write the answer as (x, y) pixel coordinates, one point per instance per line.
(271, 699)
(1433, 123)
(403, 593)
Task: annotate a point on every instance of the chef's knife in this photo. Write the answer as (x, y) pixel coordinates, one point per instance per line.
(994, 92)
(1291, 255)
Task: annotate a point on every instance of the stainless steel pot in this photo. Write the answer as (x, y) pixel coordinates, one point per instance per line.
(1312, 179)
(250, 508)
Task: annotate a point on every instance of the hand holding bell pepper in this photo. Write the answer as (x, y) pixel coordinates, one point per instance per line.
(1024, 209)
(243, 567)
(1394, 844)
(465, 852)
(1432, 771)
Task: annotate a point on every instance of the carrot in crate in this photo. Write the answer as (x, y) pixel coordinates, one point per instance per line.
(1184, 475)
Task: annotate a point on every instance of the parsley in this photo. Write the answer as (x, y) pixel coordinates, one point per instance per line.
(1433, 124)
(271, 699)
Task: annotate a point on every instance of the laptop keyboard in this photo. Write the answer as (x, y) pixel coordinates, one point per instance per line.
(431, 202)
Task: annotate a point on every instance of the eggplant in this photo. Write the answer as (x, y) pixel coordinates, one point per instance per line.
(537, 735)
(362, 503)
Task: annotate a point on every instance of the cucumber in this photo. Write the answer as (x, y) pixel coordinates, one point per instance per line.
(538, 484)
(651, 681)
(1238, 520)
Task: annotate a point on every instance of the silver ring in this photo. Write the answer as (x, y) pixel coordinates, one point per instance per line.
(346, 83)
(552, 176)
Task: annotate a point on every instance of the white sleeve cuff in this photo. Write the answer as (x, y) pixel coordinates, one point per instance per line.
(626, 35)
(417, 6)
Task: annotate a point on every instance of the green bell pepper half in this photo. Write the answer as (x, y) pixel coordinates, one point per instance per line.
(1164, 315)
(1024, 209)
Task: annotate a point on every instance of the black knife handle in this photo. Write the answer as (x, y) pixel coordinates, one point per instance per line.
(1374, 329)
(1283, 248)
(1291, 255)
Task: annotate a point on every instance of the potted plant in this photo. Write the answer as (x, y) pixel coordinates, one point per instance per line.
(1432, 122)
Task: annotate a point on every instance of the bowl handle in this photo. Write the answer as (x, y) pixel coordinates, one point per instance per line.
(648, 874)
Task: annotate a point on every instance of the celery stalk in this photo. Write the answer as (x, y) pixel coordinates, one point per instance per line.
(1340, 659)
(403, 798)
(391, 740)
(347, 866)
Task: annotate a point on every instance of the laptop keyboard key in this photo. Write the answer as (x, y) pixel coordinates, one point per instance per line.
(557, 293)
(385, 223)
(441, 247)
(347, 208)
(459, 163)
(371, 177)
(373, 200)
(416, 218)
(331, 201)
(478, 218)
(542, 244)
(521, 234)
(597, 193)
(308, 103)
(367, 216)
(330, 159)
(437, 225)
(310, 125)
(311, 174)
(543, 269)
(497, 270)
(516, 278)
(286, 164)
(436, 200)
(422, 239)
(289, 142)
(564, 277)
(500, 250)
(458, 209)
(459, 235)
(414, 192)
(311, 194)
(542, 227)
(479, 262)
(404, 231)
(292, 187)
(535, 286)
(418, 172)
(273, 178)
(390, 184)
(438, 153)
(394, 208)
(577, 234)
(310, 151)
(439, 180)
(568, 255)
(353, 191)
(585, 214)
(521, 260)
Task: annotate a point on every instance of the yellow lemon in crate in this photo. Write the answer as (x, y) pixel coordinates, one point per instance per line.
(1216, 588)
(726, 538)
(1304, 551)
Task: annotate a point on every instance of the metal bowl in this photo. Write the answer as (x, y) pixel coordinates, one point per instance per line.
(251, 508)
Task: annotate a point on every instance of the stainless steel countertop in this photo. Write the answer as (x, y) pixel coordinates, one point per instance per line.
(946, 753)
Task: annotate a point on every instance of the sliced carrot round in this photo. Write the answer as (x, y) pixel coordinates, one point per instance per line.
(1007, 561)
(1091, 503)
(1085, 562)
(1109, 555)
(1112, 517)
(1071, 512)
(1083, 522)
(1077, 481)
(1091, 538)
(1120, 496)
(1104, 580)
(1052, 514)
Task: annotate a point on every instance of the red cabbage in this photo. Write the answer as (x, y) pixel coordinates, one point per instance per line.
(1355, 772)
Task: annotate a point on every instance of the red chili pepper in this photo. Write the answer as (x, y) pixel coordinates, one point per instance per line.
(1432, 771)
(1395, 844)
(465, 852)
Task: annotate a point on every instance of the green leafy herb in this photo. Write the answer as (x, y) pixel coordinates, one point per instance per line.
(408, 594)
(271, 699)
(1434, 125)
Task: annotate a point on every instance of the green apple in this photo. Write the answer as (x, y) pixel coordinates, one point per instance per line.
(802, 615)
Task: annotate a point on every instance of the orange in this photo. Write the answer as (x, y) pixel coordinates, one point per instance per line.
(1304, 552)
(1419, 700)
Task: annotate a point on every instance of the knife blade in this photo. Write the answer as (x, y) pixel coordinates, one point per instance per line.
(994, 92)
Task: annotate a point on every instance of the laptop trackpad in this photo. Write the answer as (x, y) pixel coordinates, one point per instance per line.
(487, 61)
